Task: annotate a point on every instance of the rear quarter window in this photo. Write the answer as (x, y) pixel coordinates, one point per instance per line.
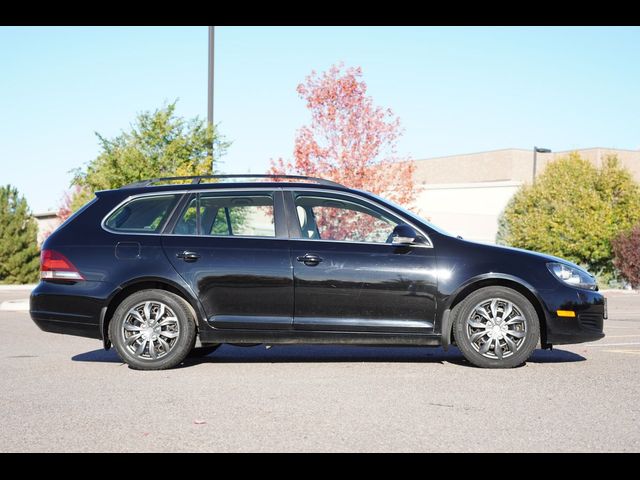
(142, 215)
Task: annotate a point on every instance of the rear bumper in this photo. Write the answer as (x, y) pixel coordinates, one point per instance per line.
(586, 326)
(71, 309)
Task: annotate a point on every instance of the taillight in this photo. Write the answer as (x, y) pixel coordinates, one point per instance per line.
(55, 266)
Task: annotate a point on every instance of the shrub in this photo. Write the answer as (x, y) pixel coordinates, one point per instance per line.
(626, 248)
(573, 211)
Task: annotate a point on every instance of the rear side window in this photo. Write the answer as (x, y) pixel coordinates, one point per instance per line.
(142, 215)
(228, 216)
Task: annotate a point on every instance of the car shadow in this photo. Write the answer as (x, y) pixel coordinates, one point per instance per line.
(330, 354)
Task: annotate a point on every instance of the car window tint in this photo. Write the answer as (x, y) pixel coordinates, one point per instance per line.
(187, 223)
(142, 215)
(246, 215)
(324, 218)
(242, 215)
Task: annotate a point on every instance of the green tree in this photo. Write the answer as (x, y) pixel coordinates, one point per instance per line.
(19, 261)
(158, 143)
(574, 211)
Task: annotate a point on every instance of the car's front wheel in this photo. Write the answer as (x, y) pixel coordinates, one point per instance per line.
(153, 330)
(496, 327)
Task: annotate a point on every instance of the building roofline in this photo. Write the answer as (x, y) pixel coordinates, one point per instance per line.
(479, 184)
(52, 213)
(530, 150)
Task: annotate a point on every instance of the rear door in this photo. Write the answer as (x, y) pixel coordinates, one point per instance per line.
(232, 249)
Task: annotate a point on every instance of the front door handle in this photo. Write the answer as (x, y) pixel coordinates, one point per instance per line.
(188, 256)
(309, 259)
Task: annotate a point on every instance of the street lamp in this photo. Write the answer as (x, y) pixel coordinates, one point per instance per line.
(536, 151)
(210, 87)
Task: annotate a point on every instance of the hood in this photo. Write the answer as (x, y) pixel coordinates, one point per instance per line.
(521, 251)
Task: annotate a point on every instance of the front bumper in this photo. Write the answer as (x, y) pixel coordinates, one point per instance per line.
(586, 326)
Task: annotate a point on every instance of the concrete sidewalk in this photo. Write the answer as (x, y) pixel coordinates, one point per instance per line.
(10, 288)
(15, 298)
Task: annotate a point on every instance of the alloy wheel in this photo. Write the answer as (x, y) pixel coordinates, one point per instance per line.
(497, 328)
(150, 330)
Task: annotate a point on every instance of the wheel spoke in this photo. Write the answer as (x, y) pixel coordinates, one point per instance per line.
(494, 308)
(129, 327)
(152, 350)
(498, 349)
(147, 311)
(478, 335)
(165, 345)
(510, 343)
(137, 316)
(476, 324)
(160, 312)
(516, 319)
(167, 321)
(515, 333)
(507, 311)
(131, 340)
(483, 312)
(486, 346)
(168, 334)
(141, 346)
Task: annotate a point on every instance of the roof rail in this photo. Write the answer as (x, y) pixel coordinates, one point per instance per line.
(196, 179)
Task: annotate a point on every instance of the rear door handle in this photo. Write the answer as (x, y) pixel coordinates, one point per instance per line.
(188, 256)
(309, 259)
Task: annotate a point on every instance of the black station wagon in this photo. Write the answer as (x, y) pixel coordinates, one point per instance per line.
(157, 268)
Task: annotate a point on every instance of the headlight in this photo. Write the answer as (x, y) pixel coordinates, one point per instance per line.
(572, 276)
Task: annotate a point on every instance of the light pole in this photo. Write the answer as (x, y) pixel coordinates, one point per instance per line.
(210, 87)
(536, 151)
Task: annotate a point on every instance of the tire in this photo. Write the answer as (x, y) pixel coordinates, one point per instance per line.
(508, 341)
(146, 342)
(203, 351)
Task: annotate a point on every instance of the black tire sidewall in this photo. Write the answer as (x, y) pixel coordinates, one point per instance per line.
(462, 311)
(186, 323)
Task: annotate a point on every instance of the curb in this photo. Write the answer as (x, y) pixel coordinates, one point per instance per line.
(15, 306)
(10, 288)
(620, 291)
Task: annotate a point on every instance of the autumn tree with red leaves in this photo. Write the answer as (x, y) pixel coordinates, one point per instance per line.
(350, 140)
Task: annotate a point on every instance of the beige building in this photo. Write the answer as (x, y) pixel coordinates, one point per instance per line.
(465, 194)
(47, 223)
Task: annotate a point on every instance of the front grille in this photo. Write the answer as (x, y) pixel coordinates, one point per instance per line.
(591, 321)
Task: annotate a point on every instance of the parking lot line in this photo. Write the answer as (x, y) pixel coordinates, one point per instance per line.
(623, 336)
(630, 352)
(611, 344)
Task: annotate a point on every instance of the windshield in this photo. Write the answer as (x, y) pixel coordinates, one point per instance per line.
(411, 215)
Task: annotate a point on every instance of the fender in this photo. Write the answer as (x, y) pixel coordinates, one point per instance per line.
(471, 284)
(183, 288)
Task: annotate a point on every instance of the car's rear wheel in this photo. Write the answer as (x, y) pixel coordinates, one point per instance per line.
(496, 327)
(153, 330)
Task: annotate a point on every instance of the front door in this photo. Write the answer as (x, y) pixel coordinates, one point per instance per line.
(349, 277)
(231, 248)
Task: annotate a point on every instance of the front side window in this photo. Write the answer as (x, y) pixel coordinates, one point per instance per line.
(142, 215)
(339, 219)
(227, 216)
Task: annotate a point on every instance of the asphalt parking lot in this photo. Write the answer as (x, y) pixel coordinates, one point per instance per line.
(63, 393)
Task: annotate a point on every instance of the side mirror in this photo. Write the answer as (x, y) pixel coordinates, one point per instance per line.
(404, 234)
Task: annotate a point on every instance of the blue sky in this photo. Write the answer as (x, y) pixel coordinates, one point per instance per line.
(456, 89)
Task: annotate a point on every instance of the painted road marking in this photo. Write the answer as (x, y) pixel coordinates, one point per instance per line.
(629, 352)
(613, 344)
